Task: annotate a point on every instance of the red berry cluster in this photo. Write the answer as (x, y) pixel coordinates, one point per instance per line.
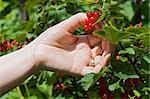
(137, 25)
(92, 18)
(104, 92)
(9, 44)
(59, 86)
(133, 82)
(6, 45)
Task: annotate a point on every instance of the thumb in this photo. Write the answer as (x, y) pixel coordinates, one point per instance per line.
(74, 22)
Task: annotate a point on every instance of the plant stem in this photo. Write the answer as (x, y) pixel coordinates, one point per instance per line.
(27, 91)
(130, 60)
(19, 92)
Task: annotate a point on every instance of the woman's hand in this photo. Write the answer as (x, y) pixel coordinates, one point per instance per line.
(56, 49)
(59, 50)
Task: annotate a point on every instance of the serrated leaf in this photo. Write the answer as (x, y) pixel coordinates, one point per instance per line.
(91, 78)
(87, 81)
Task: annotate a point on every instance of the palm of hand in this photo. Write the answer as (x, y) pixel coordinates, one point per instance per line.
(83, 50)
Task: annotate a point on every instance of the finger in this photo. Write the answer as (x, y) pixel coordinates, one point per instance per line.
(109, 47)
(97, 50)
(104, 62)
(104, 53)
(73, 22)
(104, 43)
(93, 40)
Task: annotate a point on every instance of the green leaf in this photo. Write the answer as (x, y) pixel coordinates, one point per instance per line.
(130, 51)
(43, 88)
(3, 5)
(133, 76)
(111, 34)
(121, 75)
(125, 76)
(137, 93)
(146, 89)
(127, 50)
(87, 81)
(147, 59)
(114, 86)
(128, 9)
(91, 78)
(123, 59)
(145, 71)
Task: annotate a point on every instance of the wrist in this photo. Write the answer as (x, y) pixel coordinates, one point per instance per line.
(28, 52)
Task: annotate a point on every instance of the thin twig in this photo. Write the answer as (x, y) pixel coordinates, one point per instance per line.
(19, 92)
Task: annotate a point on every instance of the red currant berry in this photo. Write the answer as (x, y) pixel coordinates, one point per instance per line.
(104, 96)
(131, 25)
(128, 82)
(90, 25)
(136, 81)
(86, 28)
(118, 57)
(88, 21)
(140, 24)
(92, 19)
(89, 14)
(96, 15)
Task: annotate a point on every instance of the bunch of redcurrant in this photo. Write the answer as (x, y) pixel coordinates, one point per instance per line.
(133, 82)
(9, 44)
(6, 45)
(90, 21)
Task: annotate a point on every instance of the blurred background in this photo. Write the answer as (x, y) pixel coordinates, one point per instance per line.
(21, 21)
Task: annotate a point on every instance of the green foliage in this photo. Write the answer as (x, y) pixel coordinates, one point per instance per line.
(132, 43)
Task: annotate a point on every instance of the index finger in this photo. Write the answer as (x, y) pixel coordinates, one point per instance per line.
(73, 22)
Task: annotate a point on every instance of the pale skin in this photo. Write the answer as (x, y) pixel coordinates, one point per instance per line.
(56, 49)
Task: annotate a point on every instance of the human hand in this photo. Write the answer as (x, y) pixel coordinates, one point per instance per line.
(59, 50)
